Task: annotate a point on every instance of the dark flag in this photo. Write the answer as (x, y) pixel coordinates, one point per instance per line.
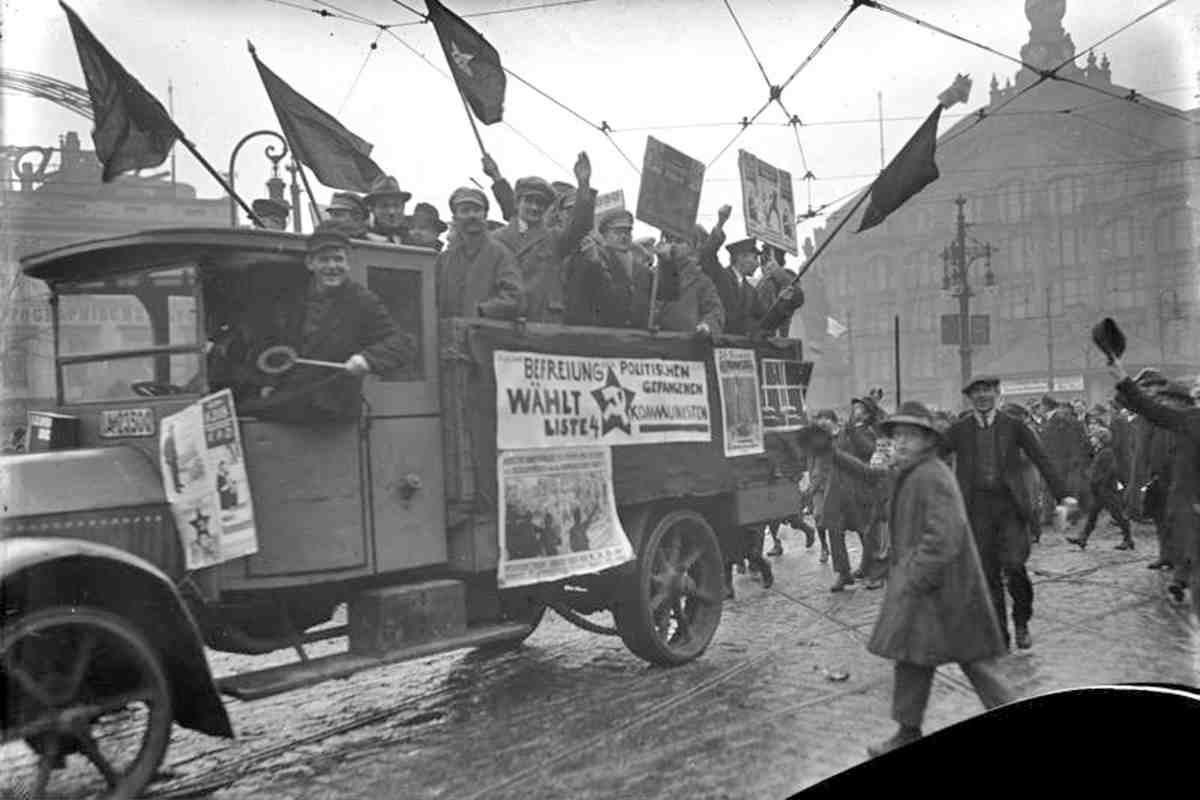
(474, 63)
(336, 156)
(909, 172)
(133, 131)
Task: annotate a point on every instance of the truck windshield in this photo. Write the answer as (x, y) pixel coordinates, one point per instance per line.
(133, 335)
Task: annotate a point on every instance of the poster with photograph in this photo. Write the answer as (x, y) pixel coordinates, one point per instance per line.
(669, 194)
(737, 377)
(204, 476)
(547, 400)
(767, 203)
(558, 515)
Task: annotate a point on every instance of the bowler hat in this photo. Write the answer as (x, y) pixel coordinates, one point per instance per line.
(534, 185)
(1150, 377)
(911, 413)
(348, 201)
(326, 235)
(981, 380)
(468, 194)
(743, 246)
(1108, 337)
(430, 213)
(270, 207)
(386, 186)
(614, 217)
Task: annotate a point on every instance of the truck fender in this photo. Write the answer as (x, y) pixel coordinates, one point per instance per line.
(36, 572)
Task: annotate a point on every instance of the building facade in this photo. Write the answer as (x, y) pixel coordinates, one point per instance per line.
(1088, 203)
(53, 196)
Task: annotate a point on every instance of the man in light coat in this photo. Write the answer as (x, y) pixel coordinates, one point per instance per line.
(477, 276)
(936, 608)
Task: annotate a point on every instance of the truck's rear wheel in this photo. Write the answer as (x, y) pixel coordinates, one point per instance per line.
(87, 682)
(669, 607)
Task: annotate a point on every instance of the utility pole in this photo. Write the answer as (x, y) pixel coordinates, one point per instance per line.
(171, 112)
(959, 256)
(882, 162)
(1049, 343)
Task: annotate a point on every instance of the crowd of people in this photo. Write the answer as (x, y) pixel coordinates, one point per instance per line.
(553, 259)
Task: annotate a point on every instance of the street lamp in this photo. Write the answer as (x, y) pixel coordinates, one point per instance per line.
(957, 258)
(275, 185)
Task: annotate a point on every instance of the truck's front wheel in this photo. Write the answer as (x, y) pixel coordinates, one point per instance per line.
(669, 607)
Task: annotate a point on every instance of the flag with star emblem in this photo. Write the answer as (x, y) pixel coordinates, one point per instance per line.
(338, 158)
(474, 63)
(133, 131)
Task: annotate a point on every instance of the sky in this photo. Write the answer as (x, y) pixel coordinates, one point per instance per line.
(646, 67)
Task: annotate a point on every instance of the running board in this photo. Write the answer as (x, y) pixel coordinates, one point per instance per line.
(288, 677)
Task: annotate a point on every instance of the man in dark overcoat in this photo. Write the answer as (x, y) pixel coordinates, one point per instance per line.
(606, 284)
(542, 251)
(936, 607)
(1150, 473)
(477, 276)
(335, 319)
(1173, 410)
(987, 446)
(1102, 475)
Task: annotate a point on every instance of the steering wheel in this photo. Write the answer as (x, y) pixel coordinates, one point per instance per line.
(152, 389)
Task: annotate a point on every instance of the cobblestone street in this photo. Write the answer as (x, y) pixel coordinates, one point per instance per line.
(785, 697)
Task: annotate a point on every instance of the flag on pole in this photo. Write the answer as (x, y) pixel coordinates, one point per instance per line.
(336, 156)
(473, 61)
(834, 328)
(909, 172)
(132, 130)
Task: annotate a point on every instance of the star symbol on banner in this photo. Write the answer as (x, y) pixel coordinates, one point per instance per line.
(616, 403)
(200, 523)
(462, 60)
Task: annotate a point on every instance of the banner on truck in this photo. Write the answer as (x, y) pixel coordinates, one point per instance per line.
(737, 377)
(558, 515)
(556, 401)
(204, 476)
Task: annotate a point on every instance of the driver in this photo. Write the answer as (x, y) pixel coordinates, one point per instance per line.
(337, 320)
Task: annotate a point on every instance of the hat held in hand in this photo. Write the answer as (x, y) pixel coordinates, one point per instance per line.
(1109, 338)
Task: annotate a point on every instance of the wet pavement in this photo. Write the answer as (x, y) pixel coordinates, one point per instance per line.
(785, 696)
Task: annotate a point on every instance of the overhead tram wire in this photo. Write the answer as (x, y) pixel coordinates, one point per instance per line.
(370, 52)
(777, 92)
(321, 12)
(749, 46)
(498, 11)
(1126, 27)
(1043, 75)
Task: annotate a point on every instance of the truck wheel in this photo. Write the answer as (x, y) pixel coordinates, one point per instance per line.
(669, 608)
(84, 681)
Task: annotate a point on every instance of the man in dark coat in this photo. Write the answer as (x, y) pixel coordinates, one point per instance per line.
(425, 227)
(1150, 472)
(1102, 475)
(336, 319)
(987, 446)
(477, 276)
(1064, 439)
(388, 221)
(349, 210)
(936, 608)
(541, 251)
(606, 284)
(776, 279)
(860, 439)
(1173, 411)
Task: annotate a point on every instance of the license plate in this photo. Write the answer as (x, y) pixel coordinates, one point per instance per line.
(119, 422)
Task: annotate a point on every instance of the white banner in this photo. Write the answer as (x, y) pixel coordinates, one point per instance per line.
(767, 203)
(737, 378)
(204, 475)
(558, 515)
(557, 401)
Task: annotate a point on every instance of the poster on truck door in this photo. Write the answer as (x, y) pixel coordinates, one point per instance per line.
(558, 515)
(737, 377)
(204, 476)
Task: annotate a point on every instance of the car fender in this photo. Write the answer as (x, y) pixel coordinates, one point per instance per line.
(36, 572)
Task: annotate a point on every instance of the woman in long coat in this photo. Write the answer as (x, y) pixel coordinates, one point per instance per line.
(936, 609)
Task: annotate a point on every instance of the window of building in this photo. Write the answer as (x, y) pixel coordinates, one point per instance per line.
(1175, 230)
(1075, 289)
(1071, 245)
(1116, 239)
(1013, 202)
(783, 384)
(1067, 194)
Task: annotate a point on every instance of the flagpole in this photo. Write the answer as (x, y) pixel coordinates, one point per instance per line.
(896, 344)
(471, 119)
(221, 180)
(312, 201)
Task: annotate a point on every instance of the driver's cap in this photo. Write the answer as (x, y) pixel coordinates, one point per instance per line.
(327, 235)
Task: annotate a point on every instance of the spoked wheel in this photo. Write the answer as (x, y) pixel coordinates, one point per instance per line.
(81, 682)
(669, 608)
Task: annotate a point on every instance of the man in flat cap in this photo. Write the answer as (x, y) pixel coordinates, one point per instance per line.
(542, 252)
(1173, 411)
(335, 319)
(776, 280)
(386, 202)
(349, 211)
(988, 446)
(477, 276)
(608, 286)
(426, 227)
(273, 213)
